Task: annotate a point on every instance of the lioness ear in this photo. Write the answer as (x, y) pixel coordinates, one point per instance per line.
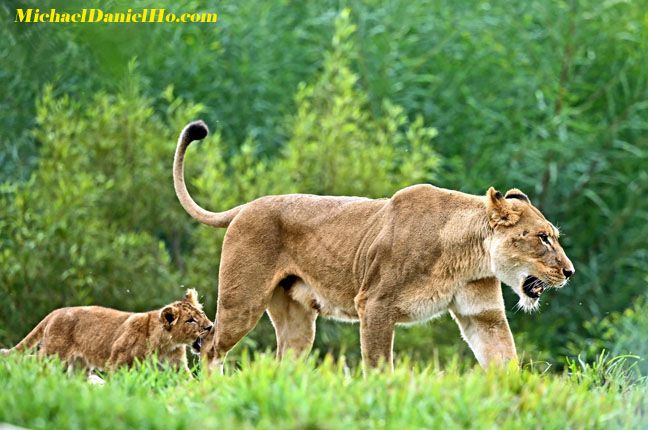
(168, 316)
(514, 193)
(500, 211)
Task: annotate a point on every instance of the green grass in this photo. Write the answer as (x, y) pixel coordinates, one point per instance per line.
(305, 394)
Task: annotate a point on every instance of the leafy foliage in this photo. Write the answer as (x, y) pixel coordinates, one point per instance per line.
(85, 229)
(621, 333)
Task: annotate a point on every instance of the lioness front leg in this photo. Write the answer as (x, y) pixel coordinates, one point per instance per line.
(376, 333)
(479, 312)
(489, 336)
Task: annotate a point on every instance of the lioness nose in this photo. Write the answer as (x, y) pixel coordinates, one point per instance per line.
(568, 272)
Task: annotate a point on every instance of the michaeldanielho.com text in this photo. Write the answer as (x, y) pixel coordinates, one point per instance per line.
(100, 16)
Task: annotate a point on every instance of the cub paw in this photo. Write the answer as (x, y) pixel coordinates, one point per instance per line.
(95, 380)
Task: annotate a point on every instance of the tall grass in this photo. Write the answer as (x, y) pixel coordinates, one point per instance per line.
(329, 395)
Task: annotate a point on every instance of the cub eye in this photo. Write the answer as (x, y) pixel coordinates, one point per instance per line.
(191, 320)
(545, 238)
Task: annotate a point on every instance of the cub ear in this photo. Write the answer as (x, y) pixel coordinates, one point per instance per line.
(500, 211)
(169, 316)
(191, 297)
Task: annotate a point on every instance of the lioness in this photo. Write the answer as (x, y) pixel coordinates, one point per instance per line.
(383, 262)
(95, 337)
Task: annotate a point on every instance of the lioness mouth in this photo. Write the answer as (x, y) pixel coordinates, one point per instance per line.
(533, 287)
(197, 345)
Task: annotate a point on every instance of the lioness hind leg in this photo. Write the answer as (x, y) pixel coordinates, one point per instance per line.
(249, 272)
(237, 314)
(293, 322)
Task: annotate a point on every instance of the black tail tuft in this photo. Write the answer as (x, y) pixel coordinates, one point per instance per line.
(196, 130)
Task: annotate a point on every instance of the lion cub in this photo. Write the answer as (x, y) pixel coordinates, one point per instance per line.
(95, 337)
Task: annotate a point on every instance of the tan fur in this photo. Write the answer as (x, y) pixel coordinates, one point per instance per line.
(97, 337)
(412, 257)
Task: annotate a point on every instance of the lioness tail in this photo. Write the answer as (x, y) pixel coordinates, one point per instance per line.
(196, 130)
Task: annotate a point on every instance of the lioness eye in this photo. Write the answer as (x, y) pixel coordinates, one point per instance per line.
(545, 238)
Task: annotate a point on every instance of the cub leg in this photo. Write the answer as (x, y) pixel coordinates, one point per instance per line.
(119, 358)
(294, 324)
(75, 363)
(124, 350)
(177, 359)
(95, 379)
(478, 310)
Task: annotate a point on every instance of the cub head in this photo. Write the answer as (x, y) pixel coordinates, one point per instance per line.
(524, 249)
(186, 322)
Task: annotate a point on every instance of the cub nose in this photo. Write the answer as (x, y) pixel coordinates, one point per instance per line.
(568, 272)
(209, 327)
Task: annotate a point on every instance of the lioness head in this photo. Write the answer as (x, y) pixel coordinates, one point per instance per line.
(524, 250)
(185, 321)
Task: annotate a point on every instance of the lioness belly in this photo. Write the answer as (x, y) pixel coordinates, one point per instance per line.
(421, 310)
(417, 309)
(424, 304)
(306, 295)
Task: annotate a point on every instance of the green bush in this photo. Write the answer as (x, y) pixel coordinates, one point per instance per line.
(87, 226)
(620, 333)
